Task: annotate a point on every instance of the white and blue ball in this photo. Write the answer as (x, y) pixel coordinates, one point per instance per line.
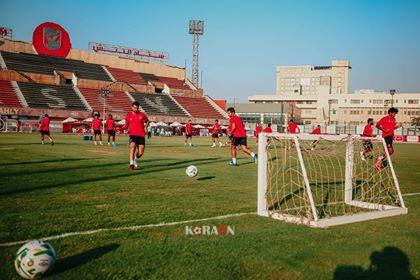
(35, 259)
(191, 171)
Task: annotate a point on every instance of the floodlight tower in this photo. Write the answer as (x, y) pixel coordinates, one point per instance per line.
(196, 29)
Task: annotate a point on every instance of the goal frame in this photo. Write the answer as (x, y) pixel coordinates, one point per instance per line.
(380, 210)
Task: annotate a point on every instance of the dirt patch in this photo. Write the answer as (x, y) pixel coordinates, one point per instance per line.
(102, 152)
(105, 206)
(81, 197)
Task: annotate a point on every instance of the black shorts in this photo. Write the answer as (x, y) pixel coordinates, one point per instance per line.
(188, 135)
(139, 140)
(215, 135)
(97, 132)
(45, 132)
(239, 141)
(111, 132)
(388, 140)
(367, 145)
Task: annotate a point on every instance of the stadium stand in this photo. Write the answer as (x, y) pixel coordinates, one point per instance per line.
(158, 104)
(117, 101)
(23, 62)
(198, 107)
(174, 83)
(51, 96)
(149, 77)
(127, 76)
(8, 95)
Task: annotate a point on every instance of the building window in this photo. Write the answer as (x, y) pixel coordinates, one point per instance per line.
(377, 101)
(413, 101)
(354, 101)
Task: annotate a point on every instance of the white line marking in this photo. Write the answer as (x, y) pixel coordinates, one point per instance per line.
(411, 194)
(163, 224)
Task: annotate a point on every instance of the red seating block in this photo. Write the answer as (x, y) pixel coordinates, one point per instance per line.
(8, 95)
(198, 107)
(117, 101)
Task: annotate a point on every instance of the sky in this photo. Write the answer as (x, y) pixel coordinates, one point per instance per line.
(245, 40)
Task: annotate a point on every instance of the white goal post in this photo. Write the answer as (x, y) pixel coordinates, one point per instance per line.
(325, 180)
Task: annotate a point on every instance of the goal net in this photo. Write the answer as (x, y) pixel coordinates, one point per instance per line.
(325, 180)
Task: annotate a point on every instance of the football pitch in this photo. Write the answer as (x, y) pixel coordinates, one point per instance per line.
(75, 186)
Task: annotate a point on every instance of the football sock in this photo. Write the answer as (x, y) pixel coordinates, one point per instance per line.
(252, 155)
(234, 160)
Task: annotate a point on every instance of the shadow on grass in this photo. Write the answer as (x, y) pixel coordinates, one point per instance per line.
(146, 170)
(206, 178)
(45, 161)
(66, 169)
(391, 263)
(82, 258)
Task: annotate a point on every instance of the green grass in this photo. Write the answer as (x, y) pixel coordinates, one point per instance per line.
(75, 186)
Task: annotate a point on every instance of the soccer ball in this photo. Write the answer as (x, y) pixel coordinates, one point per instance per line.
(191, 171)
(34, 259)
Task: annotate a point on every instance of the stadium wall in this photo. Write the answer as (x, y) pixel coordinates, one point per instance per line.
(117, 86)
(188, 93)
(10, 75)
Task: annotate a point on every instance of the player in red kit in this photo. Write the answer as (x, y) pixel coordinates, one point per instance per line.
(110, 127)
(258, 130)
(137, 123)
(268, 130)
(44, 128)
(387, 125)
(215, 134)
(188, 133)
(293, 128)
(367, 144)
(317, 130)
(238, 134)
(96, 125)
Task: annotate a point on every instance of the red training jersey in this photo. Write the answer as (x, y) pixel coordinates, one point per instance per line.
(387, 123)
(110, 124)
(293, 128)
(258, 130)
(316, 131)
(268, 130)
(45, 124)
(135, 123)
(368, 131)
(216, 128)
(188, 128)
(96, 124)
(239, 126)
